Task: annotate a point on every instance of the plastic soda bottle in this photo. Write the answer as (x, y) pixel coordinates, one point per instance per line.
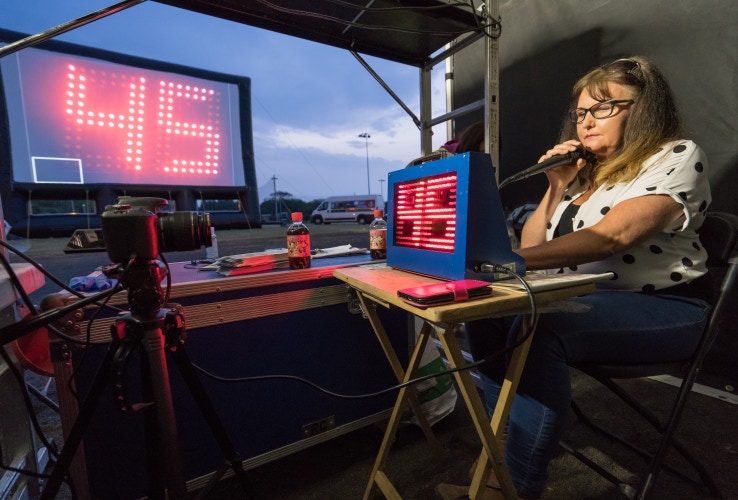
(378, 236)
(298, 243)
(211, 252)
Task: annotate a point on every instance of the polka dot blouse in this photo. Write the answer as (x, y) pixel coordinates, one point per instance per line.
(669, 258)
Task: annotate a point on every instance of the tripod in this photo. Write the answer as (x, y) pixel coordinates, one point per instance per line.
(150, 329)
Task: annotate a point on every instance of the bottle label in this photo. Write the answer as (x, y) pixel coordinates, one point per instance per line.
(377, 239)
(298, 245)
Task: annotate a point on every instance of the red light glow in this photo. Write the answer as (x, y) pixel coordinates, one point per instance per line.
(142, 136)
(125, 125)
(425, 213)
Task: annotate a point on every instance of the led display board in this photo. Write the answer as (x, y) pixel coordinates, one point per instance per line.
(446, 220)
(78, 120)
(80, 126)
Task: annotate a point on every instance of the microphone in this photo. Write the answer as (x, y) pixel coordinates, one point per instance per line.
(553, 162)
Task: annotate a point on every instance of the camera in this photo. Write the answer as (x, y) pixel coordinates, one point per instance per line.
(136, 228)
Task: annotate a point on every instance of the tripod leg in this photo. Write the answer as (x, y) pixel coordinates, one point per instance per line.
(156, 479)
(71, 443)
(198, 392)
(166, 429)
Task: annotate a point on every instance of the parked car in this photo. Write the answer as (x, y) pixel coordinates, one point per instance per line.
(358, 208)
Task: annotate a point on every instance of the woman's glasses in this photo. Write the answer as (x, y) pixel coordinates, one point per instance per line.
(599, 110)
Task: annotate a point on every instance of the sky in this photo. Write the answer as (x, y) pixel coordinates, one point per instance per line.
(310, 101)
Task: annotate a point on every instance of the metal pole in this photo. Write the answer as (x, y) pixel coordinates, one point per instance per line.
(32, 40)
(276, 207)
(366, 137)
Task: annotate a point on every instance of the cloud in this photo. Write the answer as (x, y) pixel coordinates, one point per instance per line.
(394, 135)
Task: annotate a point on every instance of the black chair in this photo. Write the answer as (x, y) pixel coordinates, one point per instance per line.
(719, 235)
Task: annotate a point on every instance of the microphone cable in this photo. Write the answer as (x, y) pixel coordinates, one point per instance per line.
(485, 267)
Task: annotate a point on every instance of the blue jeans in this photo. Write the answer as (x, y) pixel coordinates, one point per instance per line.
(624, 327)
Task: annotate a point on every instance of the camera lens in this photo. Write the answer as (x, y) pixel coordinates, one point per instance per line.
(180, 231)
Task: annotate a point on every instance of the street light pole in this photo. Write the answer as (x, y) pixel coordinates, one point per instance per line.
(381, 186)
(366, 137)
(276, 206)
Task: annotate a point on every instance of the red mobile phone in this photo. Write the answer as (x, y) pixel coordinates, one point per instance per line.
(445, 293)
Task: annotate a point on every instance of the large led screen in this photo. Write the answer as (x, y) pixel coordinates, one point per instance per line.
(77, 120)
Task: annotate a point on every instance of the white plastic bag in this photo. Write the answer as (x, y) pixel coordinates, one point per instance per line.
(437, 396)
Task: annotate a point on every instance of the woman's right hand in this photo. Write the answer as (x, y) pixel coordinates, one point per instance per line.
(564, 174)
(559, 178)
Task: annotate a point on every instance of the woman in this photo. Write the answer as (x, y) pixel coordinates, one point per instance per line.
(632, 208)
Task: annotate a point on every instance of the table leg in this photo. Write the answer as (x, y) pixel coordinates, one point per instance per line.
(406, 395)
(396, 365)
(489, 432)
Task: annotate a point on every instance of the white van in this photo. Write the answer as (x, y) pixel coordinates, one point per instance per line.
(359, 208)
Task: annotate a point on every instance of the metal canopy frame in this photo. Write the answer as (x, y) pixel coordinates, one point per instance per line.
(403, 31)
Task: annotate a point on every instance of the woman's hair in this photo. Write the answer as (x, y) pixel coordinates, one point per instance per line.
(471, 137)
(653, 119)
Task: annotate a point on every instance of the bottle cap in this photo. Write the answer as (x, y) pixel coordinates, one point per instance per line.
(296, 216)
(378, 213)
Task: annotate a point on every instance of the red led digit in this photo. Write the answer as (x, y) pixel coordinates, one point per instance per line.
(189, 128)
(425, 213)
(107, 101)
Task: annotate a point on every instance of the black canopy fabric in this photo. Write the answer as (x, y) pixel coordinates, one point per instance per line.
(546, 46)
(407, 32)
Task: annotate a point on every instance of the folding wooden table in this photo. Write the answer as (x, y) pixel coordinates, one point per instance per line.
(378, 284)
